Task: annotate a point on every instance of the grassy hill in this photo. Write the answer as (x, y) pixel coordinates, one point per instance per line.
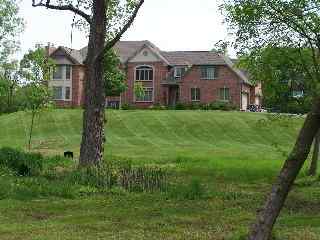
(207, 139)
(235, 157)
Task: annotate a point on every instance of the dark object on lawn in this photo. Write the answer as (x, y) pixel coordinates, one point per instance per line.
(68, 154)
(253, 108)
(24, 170)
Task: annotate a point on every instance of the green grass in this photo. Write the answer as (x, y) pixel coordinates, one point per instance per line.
(234, 156)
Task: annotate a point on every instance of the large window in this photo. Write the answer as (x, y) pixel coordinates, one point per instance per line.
(144, 73)
(147, 96)
(208, 72)
(57, 93)
(179, 72)
(61, 83)
(195, 94)
(61, 93)
(68, 72)
(67, 93)
(58, 72)
(62, 72)
(224, 94)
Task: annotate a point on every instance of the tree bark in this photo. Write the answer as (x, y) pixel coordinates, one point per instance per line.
(33, 114)
(315, 156)
(91, 151)
(266, 218)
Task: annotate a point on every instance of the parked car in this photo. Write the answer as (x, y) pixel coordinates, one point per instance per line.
(253, 108)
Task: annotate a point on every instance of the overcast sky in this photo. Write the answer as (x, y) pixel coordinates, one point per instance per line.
(170, 24)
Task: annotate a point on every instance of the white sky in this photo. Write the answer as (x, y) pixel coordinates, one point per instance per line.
(169, 24)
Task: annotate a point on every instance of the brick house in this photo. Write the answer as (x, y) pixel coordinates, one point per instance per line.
(167, 77)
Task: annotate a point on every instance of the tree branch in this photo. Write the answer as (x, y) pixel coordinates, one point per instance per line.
(112, 42)
(68, 7)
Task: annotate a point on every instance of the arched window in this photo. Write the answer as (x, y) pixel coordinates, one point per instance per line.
(144, 73)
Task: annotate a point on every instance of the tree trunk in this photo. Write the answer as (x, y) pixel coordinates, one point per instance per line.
(315, 156)
(33, 114)
(92, 145)
(266, 218)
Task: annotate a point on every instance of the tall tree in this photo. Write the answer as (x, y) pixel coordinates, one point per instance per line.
(10, 27)
(281, 70)
(281, 23)
(107, 21)
(115, 81)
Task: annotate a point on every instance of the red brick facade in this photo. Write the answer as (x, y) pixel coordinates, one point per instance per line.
(164, 92)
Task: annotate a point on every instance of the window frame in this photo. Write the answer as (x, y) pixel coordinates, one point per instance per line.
(63, 82)
(182, 70)
(224, 94)
(206, 67)
(197, 94)
(61, 67)
(148, 69)
(144, 101)
(70, 72)
(53, 90)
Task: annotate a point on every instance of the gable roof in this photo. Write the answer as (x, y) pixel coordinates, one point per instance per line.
(127, 50)
(156, 51)
(72, 54)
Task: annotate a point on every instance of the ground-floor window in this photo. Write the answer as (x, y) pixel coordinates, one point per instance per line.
(61, 93)
(195, 94)
(147, 96)
(224, 94)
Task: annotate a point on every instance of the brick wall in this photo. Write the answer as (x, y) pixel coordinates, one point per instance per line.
(209, 89)
(77, 85)
(160, 71)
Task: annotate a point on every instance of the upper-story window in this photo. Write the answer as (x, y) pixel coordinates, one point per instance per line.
(58, 72)
(62, 72)
(68, 72)
(208, 72)
(144, 73)
(179, 72)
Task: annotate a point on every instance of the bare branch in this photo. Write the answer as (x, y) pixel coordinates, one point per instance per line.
(68, 7)
(112, 42)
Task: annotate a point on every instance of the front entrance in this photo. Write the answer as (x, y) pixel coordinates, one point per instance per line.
(174, 94)
(244, 101)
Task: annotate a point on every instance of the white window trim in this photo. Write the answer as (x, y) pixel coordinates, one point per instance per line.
(64, 82)
(193, 100)
(135, 73)
(145, 88)
(214, 72)
(224, 95)
(63, 93)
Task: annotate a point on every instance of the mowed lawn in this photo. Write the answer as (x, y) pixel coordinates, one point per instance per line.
(234, 155)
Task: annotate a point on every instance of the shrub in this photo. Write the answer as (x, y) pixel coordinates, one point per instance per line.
(97, 177)
(128, 107)
(157, 107)
(23, 164)
(222, 105)
(143, 179)
(180, 106)
(57, 161)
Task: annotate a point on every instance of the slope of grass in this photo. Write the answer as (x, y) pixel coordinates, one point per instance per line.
(234, 155)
